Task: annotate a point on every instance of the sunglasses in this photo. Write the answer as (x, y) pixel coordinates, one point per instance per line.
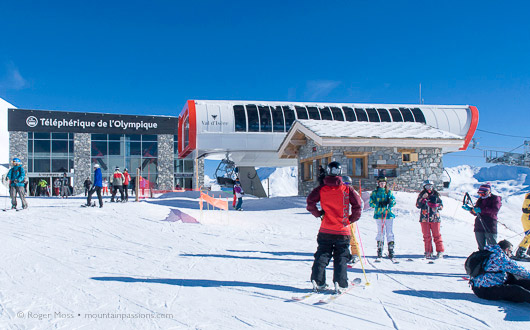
(428, 186)
(482, 193)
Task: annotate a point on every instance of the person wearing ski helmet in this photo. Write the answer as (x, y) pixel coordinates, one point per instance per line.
(98, 185)
(16, 176)
(238, 192)
(334, 234)
(486, 209)
(126, 180)
(382, 200)
(354, 245)
(430, 205)
(502, 278)
(522, 250)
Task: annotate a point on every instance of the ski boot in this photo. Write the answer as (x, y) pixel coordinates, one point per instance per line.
(380, 246)
(439, 255)
(391, 249)
(319, 288)
(338, 288)
(354, 259)
(521, 253)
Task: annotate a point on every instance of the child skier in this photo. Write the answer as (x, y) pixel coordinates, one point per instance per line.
(382, 200)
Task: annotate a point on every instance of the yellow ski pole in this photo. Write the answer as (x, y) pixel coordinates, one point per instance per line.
(361, 259)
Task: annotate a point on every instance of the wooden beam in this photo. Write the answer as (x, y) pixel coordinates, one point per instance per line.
(298, 142)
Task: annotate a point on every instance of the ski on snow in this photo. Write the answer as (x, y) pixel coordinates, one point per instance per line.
(334, 296)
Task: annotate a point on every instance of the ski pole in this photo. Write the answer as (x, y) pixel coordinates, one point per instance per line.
(362, 249)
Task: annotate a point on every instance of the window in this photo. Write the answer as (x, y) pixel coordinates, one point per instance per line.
(265, 119)
(407, 115)
(313, 113)
(277, 119)
(396, 115)
(289, 117)
(350, 114)
(383, 114)
(301, 112)
(240, 118)
(361, 114)
(50, 152)
(357, 165)
(253, 119)
(408, 157)
(337, 114)
(418, 115)
(307, 170)
(326, 113)
(373, 116)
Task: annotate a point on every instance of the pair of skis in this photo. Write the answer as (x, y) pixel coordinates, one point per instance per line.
(393, 260)
(331, 294)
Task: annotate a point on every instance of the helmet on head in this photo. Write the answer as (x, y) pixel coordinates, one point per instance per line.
(346, 179)
(125, 169)
(17, 161)
(381, 179)
(96, 165)
(428, 183)
(334, 169)
(117, 168)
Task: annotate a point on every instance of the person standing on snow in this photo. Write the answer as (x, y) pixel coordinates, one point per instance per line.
(430, 205)
(503, 279)
(65, 189)
(382, 200)
(87, 185)
(126, 180)
(522, 250)
(98, 185)
(354, 245)
(117, 184)
(239, 195)
(57, 187)
(486, 209)
(16, 176)
(334, 234)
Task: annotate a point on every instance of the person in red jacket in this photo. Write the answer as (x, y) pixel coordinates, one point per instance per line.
(334, 234)
(126, 179)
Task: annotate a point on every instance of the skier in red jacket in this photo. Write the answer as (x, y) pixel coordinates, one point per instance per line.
(334, 235)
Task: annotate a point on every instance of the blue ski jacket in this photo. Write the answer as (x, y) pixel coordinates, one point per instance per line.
(98, 178)
(16, 175)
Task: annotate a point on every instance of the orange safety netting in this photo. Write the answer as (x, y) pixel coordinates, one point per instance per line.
(219, 203)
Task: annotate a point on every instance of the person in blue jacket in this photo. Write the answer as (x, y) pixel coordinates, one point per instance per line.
(98, 184)
(502, 279)
(16, 176)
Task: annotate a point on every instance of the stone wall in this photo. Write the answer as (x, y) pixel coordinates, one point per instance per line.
(200, 172)
(82, 166)
(18, 148)
(410, 175)
(165, 161)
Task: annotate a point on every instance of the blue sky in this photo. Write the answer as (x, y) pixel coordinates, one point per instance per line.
(140, 57)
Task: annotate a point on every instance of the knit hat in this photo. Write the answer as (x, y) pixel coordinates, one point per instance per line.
(485, 188)
(381, 179)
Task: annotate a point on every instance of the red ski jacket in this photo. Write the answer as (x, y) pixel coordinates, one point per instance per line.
(335, 199)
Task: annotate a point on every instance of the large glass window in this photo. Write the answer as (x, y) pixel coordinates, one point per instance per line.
(337, 114)
(396, 115)
(240, 118)
(253, 119)
(418, 115)
(50, 152)
(289, 117)
(372, 115)
(313, 113)
(383, 114)
(361, 114)
(277, 119)
(350, 114)
(265, 119)
(301, 112)
(326, 113)
(407, 115)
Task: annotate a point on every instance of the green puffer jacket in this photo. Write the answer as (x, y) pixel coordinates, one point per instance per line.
(382, 201)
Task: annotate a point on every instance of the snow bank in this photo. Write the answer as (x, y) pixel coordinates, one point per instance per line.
(281, 181)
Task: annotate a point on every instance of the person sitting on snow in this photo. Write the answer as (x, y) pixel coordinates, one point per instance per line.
(502, 278)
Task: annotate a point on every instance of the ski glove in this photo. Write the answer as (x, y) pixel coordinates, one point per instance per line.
(322, 215)
(477, 209)
(466, 207)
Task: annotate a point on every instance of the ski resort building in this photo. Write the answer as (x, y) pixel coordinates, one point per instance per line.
(404, 142)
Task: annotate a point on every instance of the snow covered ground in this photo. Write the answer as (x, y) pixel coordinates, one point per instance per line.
(124, 267)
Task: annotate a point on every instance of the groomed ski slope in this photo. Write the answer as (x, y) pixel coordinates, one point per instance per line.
(231, 271)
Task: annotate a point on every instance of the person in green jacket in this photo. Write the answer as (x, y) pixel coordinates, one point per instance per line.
(382, 200)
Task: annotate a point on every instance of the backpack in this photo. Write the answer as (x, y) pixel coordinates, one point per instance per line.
(476, 262)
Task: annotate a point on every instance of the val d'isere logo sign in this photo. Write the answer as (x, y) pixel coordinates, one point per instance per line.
(32, 121)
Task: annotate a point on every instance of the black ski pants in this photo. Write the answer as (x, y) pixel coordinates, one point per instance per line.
(126, 191)
(115, 190)
(338, 247)
(512, 290)
(91, 192)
